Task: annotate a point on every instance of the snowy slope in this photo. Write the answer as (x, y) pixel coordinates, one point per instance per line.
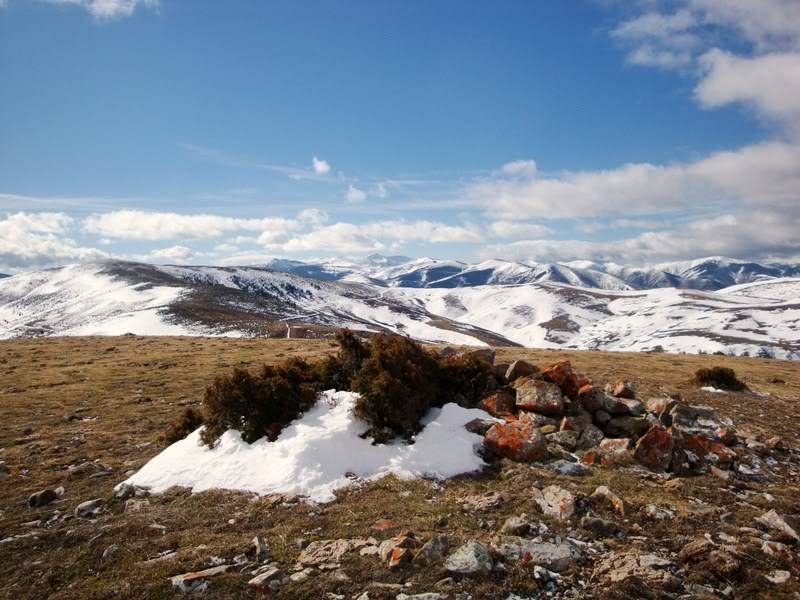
(115, 297)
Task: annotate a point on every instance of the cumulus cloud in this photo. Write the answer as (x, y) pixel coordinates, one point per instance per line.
(144, 225)
(176, 253)
(110, 9)
(321, 167)
(355, 195)
(30, 240)
(520, 168)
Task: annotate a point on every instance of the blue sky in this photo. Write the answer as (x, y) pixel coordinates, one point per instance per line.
(228, 132)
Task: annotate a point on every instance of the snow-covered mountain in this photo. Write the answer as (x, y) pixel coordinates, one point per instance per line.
(397, 271)
(121, 297)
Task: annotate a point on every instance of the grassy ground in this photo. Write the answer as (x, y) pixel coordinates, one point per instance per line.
(106, 401)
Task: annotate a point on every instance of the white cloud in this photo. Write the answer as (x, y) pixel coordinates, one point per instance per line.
(144, 225)
(355, 195)
(177, 253)
(313, 216)
(770, 84)
(517, 230)
(29, 240)
(110, 9)
(520, 168)
(336, 238)
(321, 167)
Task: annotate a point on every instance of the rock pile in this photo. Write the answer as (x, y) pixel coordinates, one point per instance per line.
(553, 413)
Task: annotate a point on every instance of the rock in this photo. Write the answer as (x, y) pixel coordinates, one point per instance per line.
(778, 577)
(779, 524)
(324, 552)
(399, 550)
(565, 467)
(777, 550)
(775, 443)
(659, 406)
(600, 527)
(548, 429)
(602, 492)
(433, 551)
(594, 399)
(654, 449)
(616, 445)
(622, 389)
(520, 368)
(568, 439)
(484, 502)
(486, 355)
(542, 397)
(556, 557)
(555, 501)
(195, 580)
(499, 370)
(517, 441)
(601, 417)
(628, 426)
(301, 576)
(564, 377)
(479, 426)
(132, 504)
(659, 513)
(696, 550)
(42, 498)
(262, 549)
(269, 580)
(686, 415)
(538, 421)
(576, 423)
(515, 526)
(110, 551)
(473, 558)
(650, 570)
(590, 437)
(89, 509)
(726, 435)
(500, 404)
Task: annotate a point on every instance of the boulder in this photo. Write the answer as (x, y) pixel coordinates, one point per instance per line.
(567, 439)
(627, 426)
(399, 550)
(517, 441)
(500, 370)
(616, 445)
(576, 423)
(654, 449)
(602, 418)
(555, 502)
(89, 509)
(486, 355)
(566, 467)
(564, 377)
(540, 396)
(603, 493)
(324, 552)
(268, 580)
(622, 389)
(520, 368)
(500, 404)
(590, 437)
(537, 420)
(600, 527)
(195, 581)
(473, 558)
(593, 399)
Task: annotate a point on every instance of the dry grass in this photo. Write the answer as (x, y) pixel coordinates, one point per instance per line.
(68, 401)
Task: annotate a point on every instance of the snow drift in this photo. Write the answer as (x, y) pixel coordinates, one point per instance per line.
(317, 454)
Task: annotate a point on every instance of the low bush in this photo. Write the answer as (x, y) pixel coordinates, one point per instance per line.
(398, 382)
(718, 377)
(258, 405)
(189, 420)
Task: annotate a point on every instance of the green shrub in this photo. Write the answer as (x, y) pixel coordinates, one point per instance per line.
(718, 377)
(464, 380)
(189, 420)
(397, 384)
(336, 371)
(258, 405)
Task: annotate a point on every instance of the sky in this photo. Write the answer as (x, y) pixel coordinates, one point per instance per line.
(208, 132)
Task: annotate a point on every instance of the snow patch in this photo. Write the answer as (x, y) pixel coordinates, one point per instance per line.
(314, 454)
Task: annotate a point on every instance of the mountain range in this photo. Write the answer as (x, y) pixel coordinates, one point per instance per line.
(497, 303)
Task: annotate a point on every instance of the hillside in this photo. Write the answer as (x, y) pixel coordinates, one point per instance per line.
(115, 298)
(86, 413)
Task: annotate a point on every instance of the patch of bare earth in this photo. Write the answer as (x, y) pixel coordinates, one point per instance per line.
(82, 413)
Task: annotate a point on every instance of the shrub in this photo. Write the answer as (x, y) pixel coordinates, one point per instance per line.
(189, 420)
(397, 384)
(718, 377)
(258, 405)
(464, 380)
(337, 371)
